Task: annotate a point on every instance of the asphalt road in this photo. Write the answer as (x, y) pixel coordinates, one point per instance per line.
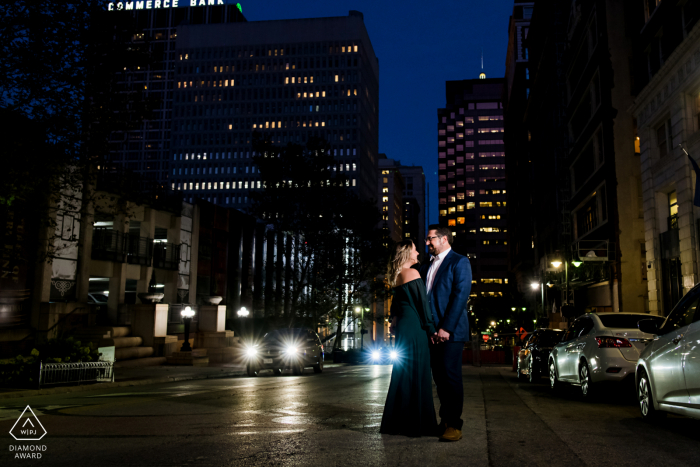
(333, 419)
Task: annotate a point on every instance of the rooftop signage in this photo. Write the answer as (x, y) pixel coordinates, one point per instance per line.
(160, 4)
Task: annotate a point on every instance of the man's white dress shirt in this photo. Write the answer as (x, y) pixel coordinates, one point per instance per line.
(435, 263)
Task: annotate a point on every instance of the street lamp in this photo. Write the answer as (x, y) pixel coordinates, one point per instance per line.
(187, 315)
(243, 312)
(512, 308)
(362, 326)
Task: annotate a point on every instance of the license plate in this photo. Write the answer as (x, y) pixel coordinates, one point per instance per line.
(267, 360)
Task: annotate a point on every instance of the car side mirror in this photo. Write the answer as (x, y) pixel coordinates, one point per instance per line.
(649, 326)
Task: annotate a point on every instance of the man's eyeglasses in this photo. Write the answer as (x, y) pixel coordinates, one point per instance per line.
(427, 239)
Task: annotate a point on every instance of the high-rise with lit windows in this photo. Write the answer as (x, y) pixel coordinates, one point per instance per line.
(390, 199)
(289, 80)
(471, 171)
(146, 150)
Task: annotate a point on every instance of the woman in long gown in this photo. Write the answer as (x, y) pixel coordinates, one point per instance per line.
(409, 408)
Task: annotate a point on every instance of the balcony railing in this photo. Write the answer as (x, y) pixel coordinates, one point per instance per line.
(108, 245)
(139, 250)
(166, 255)
(115, 246)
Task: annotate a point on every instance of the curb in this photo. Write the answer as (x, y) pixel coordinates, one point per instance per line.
(120, 384)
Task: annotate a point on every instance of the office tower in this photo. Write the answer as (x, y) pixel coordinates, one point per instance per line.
(390, 195)
(147, 150)
(471, 171)
(519, 172)
(288, 80)
(414, 205)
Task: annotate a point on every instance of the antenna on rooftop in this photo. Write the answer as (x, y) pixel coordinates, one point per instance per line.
(482, 75)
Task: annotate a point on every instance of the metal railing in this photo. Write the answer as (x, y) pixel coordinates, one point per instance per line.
(108, 245)
(75, 373)
(139, 250)
(166, 256)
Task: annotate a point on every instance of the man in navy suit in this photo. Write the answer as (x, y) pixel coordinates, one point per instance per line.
(448, 279)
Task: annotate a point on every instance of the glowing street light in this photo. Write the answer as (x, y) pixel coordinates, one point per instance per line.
(187, 315)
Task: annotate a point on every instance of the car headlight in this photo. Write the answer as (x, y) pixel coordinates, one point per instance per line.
(251, 351)
(375, 355)
(393, 355)
(291, 350)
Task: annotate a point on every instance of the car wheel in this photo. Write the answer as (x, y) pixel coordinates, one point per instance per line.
(646, 398)
(554, 382)
(277, 371)
(252, 370)
(298, 369)
(584, 377)
(531, 376)
(319, 367)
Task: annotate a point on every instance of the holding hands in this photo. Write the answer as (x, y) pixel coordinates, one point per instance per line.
(440, 336)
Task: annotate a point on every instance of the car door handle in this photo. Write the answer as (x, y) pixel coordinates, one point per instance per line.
(677, 339)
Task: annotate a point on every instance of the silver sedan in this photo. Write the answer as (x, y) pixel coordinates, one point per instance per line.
(668, 371)
(598, 347)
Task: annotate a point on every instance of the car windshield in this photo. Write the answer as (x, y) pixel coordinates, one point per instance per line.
(624, 321)
(549, 338)
(98, 297)
(283, 335)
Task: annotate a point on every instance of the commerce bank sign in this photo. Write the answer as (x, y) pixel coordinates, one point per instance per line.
(160, 4)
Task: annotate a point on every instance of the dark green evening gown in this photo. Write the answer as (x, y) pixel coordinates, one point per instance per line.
(409, 408)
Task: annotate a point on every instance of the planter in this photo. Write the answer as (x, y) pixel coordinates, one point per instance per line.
(148, 298)
(213, 300)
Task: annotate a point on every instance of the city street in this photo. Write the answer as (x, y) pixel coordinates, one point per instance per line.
(332, 419)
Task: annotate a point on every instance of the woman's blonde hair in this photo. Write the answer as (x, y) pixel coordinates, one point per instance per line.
(401, 256)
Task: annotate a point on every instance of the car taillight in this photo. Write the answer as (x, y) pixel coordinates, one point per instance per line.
(612, 342)
(321, 347)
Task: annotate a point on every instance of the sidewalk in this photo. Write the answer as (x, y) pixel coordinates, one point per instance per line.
(145, 375)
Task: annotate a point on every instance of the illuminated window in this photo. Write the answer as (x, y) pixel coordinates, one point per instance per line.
(451, 222)
(385, 190)
(460, 207)
(385, 199)
(460, 220)
(443, 212)
(450, 210)
(385, 172)
(471, 205)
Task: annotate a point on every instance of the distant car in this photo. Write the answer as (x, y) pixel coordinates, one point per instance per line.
(381, 355)
(598, 347)
(668, 370)
(97, 298)
(282, 349)
(534, 354)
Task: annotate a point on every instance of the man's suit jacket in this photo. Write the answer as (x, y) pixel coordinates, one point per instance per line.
(448, 297)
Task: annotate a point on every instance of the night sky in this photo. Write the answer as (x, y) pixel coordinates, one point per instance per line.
(420, 45)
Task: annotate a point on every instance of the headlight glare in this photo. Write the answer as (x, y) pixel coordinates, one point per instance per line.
(291, 350)
(251, 351)
(393, 355)
(375, 355)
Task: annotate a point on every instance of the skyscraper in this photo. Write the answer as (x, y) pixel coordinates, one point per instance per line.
(289, 80)
(146, 151)
(471, 171)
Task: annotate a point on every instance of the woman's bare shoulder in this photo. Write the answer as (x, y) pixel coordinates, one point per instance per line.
(407, 275)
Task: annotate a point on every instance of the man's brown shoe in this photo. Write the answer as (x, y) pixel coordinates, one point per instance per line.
(451, 434)
(441, 428)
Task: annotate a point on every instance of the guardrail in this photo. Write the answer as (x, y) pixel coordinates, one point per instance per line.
(77, 372)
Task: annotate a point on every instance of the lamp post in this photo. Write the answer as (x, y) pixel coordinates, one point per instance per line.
(535, 286)
(359, 309)
(187, 315)
(243, 313)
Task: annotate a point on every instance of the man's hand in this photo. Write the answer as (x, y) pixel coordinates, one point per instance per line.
(442, 335)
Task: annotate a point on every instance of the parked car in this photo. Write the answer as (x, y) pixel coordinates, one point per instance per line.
(97, 298)
(668, 370)
(534, 354)
(282, 349)
(597, 348)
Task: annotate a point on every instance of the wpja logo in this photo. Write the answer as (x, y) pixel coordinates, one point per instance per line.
(28, 428)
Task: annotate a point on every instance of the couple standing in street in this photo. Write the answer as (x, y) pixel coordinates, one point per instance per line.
(429, 309)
